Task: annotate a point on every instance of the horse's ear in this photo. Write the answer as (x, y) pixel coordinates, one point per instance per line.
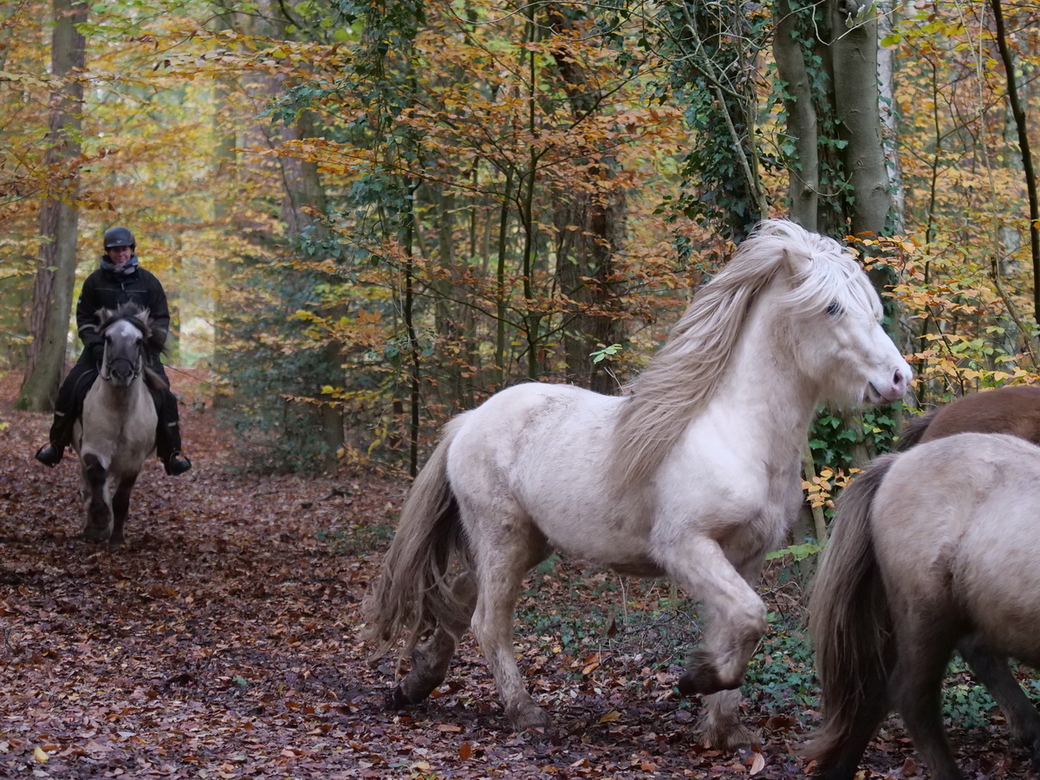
(796, 263)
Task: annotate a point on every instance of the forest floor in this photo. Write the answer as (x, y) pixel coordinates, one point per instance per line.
(222, 642)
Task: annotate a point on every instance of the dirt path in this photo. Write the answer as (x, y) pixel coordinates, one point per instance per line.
(221, 643)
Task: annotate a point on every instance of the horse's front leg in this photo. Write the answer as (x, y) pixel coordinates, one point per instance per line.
(735, 623)
(121, 507)
(99, 512)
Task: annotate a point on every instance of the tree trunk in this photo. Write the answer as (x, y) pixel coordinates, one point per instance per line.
(59, 217)
(855, 66)
(590, 228)
(1019, 115)
(789, 53)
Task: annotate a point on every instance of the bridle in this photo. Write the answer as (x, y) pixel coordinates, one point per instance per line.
(136, 365)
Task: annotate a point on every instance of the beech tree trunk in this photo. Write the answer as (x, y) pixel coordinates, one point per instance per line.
(59, 217)
(802, 126)
(590, 229)
(854, 49)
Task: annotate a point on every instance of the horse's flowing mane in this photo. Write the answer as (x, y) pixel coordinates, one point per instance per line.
(682, 377)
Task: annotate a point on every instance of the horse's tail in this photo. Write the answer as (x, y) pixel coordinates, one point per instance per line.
(850, 620)
(413, 594)
(915, 430)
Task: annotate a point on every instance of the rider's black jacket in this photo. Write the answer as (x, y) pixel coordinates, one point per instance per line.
(104, 289)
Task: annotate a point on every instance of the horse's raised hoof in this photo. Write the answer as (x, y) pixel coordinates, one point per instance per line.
(702, 677)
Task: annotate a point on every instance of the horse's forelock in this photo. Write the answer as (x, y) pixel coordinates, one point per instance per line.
(136, 315)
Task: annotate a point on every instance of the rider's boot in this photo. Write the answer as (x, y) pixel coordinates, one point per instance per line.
(176, 464)
(168, 434)
(51, 453)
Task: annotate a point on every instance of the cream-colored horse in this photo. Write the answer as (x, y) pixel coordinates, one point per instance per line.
(693, 474)
(932, 548)
(115, 433)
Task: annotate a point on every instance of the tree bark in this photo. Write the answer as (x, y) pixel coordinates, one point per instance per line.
(855, 66)
(1019, 115)
(801, 118)
(590, 229)
(59, 217)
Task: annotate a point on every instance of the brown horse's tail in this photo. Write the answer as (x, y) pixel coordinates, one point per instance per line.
(915, 430)
(414, 594)
(850, 626)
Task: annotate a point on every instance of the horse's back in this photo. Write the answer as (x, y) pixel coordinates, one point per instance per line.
(1013, 409)
(539, 453)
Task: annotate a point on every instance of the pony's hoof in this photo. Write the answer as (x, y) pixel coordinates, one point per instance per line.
(531, 719)
(730, 739)
(396, 700)
(702, 677)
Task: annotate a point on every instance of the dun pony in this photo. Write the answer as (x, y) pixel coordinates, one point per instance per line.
(115, 433)
(933, 549)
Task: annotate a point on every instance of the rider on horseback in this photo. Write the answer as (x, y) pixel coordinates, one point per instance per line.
(119, 280)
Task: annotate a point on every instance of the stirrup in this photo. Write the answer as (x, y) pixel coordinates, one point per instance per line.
(176, 464)
(50, 454)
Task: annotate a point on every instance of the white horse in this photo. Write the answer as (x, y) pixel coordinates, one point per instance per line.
(693, 474)
(115, 433)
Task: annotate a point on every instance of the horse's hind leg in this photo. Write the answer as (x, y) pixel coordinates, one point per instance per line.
(99, 513)
(432, 656)
(503, 553)
(845, 761)
(121, 508)
(992, 671)
(924, 649)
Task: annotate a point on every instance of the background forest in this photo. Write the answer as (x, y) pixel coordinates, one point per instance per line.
(371, 215)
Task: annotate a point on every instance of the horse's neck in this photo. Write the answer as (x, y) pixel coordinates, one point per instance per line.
(766, 392)
(122, 398)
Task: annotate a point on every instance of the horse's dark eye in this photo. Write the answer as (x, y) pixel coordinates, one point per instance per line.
(834, 308)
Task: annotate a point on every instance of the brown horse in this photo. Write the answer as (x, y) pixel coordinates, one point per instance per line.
(849, 722)
(1014, 409)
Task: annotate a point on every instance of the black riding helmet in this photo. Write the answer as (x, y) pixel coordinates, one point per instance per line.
(119, 236)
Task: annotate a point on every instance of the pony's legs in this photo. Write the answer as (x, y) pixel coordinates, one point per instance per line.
(924, 650)
(992, 671)
(432, 657)
(99, 513)
(503, 554)
(121, 508)
(720, 722)
(736, 616)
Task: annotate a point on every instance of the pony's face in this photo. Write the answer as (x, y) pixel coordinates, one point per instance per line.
(124, 353)
(843, 344)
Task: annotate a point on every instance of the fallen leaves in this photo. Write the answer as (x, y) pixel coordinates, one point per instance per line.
(221, 642)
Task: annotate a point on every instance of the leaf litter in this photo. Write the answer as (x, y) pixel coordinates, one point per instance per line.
(222, 642)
